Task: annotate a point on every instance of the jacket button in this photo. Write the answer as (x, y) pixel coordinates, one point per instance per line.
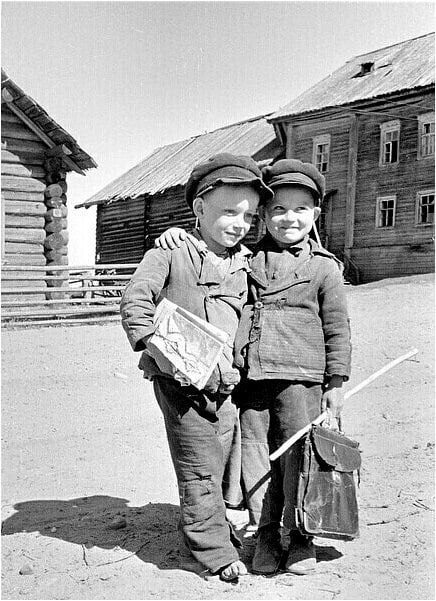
(258, 304)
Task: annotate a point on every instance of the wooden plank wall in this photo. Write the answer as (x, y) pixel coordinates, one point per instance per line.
(379, 253)
(23, 185)
(167, 210)
(120, 232)
(407, 248)
(301, 146)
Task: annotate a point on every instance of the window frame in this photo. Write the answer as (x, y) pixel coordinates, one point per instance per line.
(378, 213)
(323, 139)
(423, 119)
(419, 196)
(385, 128)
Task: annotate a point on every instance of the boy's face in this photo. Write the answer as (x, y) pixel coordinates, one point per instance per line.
(290, 214)
(225, 214)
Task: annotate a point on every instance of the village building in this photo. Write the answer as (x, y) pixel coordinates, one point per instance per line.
(36, 155)
(369, 127)
(137, 207)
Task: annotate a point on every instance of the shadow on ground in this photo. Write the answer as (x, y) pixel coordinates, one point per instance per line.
(150, 531)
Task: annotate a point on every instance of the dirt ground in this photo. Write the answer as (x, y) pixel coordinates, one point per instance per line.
(83, 444)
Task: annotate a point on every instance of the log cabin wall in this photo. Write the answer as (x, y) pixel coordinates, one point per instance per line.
(23, 194)
(120, 231)
(33, 192)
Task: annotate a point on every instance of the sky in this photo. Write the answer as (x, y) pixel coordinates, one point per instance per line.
(124, 78)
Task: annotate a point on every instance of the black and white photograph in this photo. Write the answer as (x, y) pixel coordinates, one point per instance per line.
(217, 293)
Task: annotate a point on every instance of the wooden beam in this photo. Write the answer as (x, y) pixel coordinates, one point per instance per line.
(351, 186)
(6, 96)
(59, 151)
(289, 141)
(42, 135)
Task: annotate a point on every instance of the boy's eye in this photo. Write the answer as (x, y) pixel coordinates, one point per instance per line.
(229, 212)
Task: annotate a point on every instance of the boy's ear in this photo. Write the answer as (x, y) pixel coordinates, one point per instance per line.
(316, 213)
(197, 206)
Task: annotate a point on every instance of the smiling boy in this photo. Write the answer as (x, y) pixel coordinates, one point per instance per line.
(223, 193)
(294, 344)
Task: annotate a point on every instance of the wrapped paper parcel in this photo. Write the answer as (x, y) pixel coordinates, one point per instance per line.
(184, 345)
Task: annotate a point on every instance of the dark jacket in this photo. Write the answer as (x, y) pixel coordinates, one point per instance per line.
(189, 279)
(295, 327)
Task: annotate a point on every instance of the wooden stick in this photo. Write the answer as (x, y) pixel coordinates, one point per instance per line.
(286, 445)
(315, 231)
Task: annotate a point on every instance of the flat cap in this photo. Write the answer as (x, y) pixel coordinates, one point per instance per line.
(293, 171)
(224, 168)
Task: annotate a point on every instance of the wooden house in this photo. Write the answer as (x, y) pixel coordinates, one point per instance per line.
(36, 155)
(138, 206)
(369, 127)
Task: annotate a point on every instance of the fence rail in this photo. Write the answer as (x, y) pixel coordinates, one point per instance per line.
(62, 294)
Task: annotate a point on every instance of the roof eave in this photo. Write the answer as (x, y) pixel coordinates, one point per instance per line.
(11, 92)
(349, 105)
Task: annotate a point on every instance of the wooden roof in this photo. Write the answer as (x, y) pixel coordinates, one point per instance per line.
(404, 66)
(171, 165)
(35, 117)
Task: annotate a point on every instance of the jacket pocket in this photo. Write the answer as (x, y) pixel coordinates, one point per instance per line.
(291, 341)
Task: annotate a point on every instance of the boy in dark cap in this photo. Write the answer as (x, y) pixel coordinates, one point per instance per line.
(293, 344)
(223, 193)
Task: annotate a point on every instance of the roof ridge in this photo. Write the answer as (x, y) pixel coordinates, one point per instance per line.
(212, 131)
(391, 45)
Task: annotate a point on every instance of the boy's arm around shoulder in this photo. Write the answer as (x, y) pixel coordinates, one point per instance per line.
(335, 321)
(138, 302)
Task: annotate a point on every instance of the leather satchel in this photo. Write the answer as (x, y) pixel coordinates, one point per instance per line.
(326, 500)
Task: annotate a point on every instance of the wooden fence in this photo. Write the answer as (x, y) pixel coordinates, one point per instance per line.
(62, 294)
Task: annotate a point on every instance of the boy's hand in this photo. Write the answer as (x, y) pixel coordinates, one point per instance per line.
(172, 238)
(333, 397)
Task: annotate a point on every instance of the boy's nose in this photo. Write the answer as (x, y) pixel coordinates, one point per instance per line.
(240, 222)
(290, 216)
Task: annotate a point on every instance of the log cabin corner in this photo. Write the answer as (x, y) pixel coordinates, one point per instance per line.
(37, 153)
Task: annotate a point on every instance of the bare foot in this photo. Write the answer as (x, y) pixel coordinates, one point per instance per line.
(233, 571)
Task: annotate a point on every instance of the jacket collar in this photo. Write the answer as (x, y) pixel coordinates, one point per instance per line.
(208, 273)
(267, 243)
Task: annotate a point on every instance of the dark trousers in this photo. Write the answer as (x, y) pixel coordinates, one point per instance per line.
(271, 412)
(201, 445)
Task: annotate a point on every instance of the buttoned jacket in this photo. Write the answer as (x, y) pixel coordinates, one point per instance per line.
(188, 278)
(295, 327)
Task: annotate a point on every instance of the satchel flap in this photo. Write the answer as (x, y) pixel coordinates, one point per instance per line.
(335, 449)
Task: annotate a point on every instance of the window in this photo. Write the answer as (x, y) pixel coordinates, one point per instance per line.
(321, 152)
(425, 207)
(385, 215)
(426, 135)
(390, 142)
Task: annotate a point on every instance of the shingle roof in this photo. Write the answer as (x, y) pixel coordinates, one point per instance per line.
(45, 123)
(171, 165)
(404, 66)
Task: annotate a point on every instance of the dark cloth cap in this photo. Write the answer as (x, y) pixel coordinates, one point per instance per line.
(224, 168)
(292, 171)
